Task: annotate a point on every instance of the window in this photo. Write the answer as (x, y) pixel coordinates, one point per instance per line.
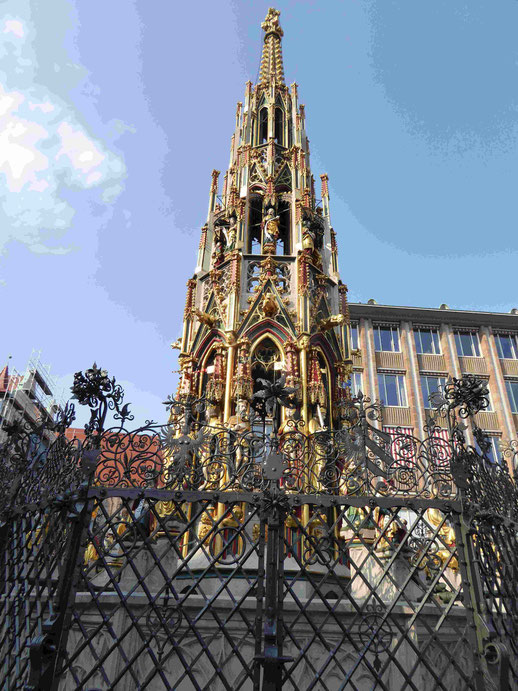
(386, 338)
(427, 341)
(489, 408)
(284, 228)
(493, 452)
(392, 389)
(279, 126)
(263, 126)
(512, 392)
(356, 383)
(467, 343)
(507, 346)
(354, 336)
(254, 225)
(429, 385)
(266, 365)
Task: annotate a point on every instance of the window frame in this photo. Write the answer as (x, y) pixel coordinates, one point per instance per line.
(512, 396)
(457, 333)
(514, 346)
(355, 329)
(377, 338)
(278, 125)
(262, 121)
(426, 400)
(494, 455)
(354, 391)
(490, 408)
(400, 387)
(436, 347)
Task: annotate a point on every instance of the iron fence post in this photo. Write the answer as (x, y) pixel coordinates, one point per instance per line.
(272, 668)
(473, 597)
(274, 511)
(48, 649)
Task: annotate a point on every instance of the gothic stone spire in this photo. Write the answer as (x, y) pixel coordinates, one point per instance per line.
(266, 298)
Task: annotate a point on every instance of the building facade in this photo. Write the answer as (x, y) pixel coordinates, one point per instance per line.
(402, 355)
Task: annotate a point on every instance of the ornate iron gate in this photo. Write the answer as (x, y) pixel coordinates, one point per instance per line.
(188, 557)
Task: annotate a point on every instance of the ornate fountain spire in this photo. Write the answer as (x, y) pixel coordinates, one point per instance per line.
(266, 298)
(271, 59)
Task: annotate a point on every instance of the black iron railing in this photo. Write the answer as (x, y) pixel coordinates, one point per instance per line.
(194, 556)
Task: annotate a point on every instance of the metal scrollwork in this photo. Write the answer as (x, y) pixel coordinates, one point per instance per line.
(375, 631)
(191, 453)
(271, 396)
(95, 389)
(468, 395)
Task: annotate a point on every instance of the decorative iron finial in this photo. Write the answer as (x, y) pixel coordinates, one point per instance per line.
(100, 393)
(271, 396)
(469, 395)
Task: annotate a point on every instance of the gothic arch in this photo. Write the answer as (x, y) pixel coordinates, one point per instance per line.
(262, 124)
(211, 340)
(268, 326)
(279, 121)
(267, 362)
(255, 217)
(319, 341)
(272, 337)
(207, 360)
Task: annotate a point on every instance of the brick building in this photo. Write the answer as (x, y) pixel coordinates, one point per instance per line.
(403, 354)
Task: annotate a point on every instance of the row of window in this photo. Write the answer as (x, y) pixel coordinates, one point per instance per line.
(386, 339)
(392, 389)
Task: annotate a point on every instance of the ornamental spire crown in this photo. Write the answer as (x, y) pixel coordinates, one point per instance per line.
(271, 59)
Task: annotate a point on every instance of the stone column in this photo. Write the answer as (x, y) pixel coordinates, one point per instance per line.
(414, 383)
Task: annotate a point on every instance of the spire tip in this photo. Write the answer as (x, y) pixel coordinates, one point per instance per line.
(271, 59)
(271, 23)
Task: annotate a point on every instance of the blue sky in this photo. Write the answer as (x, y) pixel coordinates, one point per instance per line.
(114, 114)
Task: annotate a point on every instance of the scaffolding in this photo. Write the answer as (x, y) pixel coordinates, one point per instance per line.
(32, 396)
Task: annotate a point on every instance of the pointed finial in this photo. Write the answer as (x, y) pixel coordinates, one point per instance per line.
(271, 59)
(271, 23)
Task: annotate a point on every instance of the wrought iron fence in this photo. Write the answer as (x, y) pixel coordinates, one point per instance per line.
(252, 556)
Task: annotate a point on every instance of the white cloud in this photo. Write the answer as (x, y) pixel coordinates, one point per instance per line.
(83, 156)
(14, 26)
(21, 160)
(44, 107)
(43, 148)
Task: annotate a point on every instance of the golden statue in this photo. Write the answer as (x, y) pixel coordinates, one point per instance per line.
(231, 235)
(212, 415)
(270, 230)
(269, 306)
(234, 518)
(445, 538)
(308, 238)
(205, 526)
